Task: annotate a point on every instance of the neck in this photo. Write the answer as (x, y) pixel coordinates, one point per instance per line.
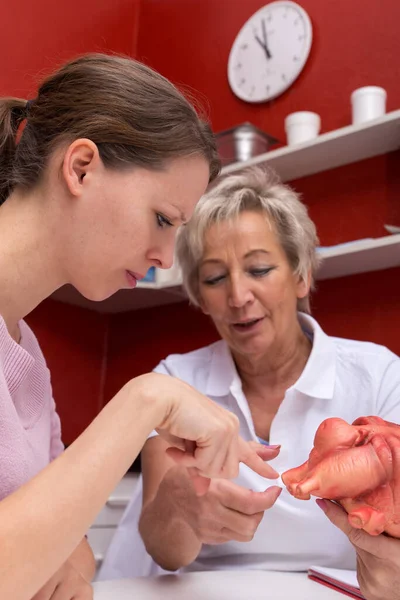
(29, 270)
(281, 366)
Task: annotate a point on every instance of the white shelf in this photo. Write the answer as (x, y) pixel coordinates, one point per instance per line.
(360, 257)
(330, 150)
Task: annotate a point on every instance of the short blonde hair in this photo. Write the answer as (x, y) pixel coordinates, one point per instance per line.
(254, 189)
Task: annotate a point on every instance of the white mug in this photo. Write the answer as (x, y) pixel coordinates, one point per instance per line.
(302, 126)
(368, 103)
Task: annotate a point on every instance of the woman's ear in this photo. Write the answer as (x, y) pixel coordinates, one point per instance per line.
(81, 160)
(303, 285)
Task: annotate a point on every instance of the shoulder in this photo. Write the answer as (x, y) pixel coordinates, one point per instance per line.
(367, 367)
(351, 352)
(30, 343)
(353, 363)
(366, 353)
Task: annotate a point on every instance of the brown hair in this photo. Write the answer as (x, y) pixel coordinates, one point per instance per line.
(133, 114)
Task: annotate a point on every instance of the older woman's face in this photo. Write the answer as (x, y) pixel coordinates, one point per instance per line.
(246, 284)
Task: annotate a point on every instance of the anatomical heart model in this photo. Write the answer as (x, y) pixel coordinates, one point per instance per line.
(357, 465)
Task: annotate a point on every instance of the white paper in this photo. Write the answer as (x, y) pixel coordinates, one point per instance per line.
(342, 575)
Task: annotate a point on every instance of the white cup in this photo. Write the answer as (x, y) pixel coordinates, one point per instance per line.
(301, 127)
(368, 103)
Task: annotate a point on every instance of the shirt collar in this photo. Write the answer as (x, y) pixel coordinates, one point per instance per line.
(317, 379)
(223, 373)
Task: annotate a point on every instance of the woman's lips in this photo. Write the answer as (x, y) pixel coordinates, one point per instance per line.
(247, 325)
(133, 278)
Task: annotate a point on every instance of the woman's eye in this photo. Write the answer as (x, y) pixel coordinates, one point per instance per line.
(213, 280)
(260, 272)
(163, 221)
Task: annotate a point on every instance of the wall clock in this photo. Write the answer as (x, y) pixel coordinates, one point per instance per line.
(269, 51)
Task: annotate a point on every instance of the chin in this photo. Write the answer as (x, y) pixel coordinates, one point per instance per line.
(95, 294)
(252, 347)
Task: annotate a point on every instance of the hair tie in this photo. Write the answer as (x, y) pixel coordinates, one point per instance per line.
(28, 106)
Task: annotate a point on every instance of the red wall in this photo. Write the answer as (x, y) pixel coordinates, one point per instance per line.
(189, 42)
(37, 36)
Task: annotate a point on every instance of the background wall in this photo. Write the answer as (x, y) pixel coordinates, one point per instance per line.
(189, 41)
(38, 36)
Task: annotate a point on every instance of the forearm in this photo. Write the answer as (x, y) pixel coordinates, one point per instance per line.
(56, 507)
(82, 559)
(164, 523)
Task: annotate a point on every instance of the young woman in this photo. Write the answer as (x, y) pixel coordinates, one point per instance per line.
(110, 161)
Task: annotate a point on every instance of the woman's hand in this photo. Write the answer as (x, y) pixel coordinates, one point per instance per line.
(227, 511)
(204, 435)
(72, 580)
(230, 512)
(378, 557)
(66, 584)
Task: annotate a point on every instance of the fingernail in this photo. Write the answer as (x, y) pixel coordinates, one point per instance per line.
(274, 487)
(322, 504)
(274, 446)
(356, 522)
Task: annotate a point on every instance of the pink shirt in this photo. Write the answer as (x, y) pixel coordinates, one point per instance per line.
(30, 433)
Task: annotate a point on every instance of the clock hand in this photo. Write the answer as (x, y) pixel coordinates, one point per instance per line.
(268, 53)
(263, 46)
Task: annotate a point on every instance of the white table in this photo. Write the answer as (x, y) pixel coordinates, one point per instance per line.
(217, 585)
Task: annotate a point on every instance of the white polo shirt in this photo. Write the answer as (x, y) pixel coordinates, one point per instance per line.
(342, 378)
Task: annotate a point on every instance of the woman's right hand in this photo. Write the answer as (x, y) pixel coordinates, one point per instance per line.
(204, 436)
(228, 511)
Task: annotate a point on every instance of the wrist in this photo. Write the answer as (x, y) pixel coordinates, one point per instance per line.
(149, 391)
(83, 561)
(177, 492)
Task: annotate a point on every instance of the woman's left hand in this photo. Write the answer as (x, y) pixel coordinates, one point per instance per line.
(378, 557)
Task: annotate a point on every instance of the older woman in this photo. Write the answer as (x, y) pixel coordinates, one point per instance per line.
(248, 258)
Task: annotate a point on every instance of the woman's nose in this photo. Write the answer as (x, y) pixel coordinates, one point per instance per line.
(163, 256)
(240, 293)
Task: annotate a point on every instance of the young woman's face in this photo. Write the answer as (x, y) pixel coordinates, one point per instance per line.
(126, 221)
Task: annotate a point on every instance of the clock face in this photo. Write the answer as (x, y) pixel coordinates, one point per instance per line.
(269, 51)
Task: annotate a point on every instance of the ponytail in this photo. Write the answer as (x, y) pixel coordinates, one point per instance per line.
(12, 112)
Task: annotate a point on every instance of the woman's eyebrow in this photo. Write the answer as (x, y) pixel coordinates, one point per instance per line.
(255, 251)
